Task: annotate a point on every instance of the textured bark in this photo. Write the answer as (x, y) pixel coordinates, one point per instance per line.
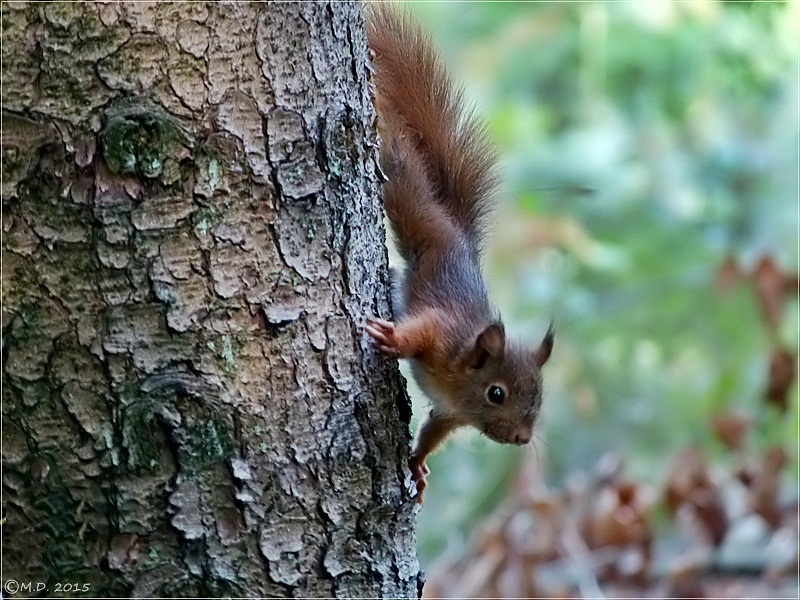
(192, 237)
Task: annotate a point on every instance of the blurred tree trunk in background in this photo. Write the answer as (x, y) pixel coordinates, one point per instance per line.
(191, 239)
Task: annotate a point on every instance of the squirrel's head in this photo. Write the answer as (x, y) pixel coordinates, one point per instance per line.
(504, 382)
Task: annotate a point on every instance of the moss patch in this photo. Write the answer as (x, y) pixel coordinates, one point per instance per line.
(138, 140)
(200, 435)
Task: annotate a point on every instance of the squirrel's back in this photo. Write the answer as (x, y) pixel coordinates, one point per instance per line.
(440, 164)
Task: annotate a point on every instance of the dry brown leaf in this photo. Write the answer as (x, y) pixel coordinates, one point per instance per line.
(599, 538)
(769, 284)
(625, 523)
(688, 472)
(709, 508)
(765, 487)
(782, 373)
(685, 583)
(690, 484)
(731, 428)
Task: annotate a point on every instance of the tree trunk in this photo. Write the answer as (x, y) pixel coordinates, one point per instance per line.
(192, 238)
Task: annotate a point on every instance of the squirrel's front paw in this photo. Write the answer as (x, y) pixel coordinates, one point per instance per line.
(418, 472)
(383, 334)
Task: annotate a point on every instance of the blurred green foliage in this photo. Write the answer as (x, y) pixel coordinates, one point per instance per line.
(642, 143)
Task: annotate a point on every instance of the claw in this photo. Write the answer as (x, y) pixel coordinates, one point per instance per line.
(381, 333)
(378, 335)
(387, 350)
(421, 485)
(418, 472)
(381, 323)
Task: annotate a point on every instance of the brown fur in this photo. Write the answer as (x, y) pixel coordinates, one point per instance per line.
(419, 102)
(441, 175)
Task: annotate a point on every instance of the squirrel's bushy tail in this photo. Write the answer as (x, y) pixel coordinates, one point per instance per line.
(421, 112)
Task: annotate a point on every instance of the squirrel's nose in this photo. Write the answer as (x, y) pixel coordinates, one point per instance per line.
(522, 437)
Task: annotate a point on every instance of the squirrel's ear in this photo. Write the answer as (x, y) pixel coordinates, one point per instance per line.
(491, 343)
(542, 353)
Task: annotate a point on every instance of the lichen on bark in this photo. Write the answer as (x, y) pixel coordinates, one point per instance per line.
(138, 139)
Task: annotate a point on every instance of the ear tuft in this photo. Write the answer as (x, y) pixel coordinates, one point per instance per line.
(491, 343)
(542, 353)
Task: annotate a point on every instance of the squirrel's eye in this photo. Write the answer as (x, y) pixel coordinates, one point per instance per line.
(495, 394)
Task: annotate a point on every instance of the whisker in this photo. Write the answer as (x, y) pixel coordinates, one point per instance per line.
(541, 439)
(536, 448)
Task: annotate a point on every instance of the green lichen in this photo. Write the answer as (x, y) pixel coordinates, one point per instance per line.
(224, 347)
(207, 436)
(204, 219)
(202, 435)
(15, 163)
(18, 282)
(139, 140)
(31, 321)
(213, 174)
(202, 227)
(227, 353)
(61, 15)
(139, 425)
(211, 442)
(334, 167)
(59, 79)
(57, 516)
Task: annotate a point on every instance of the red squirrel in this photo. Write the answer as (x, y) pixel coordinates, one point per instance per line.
(441, 175)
